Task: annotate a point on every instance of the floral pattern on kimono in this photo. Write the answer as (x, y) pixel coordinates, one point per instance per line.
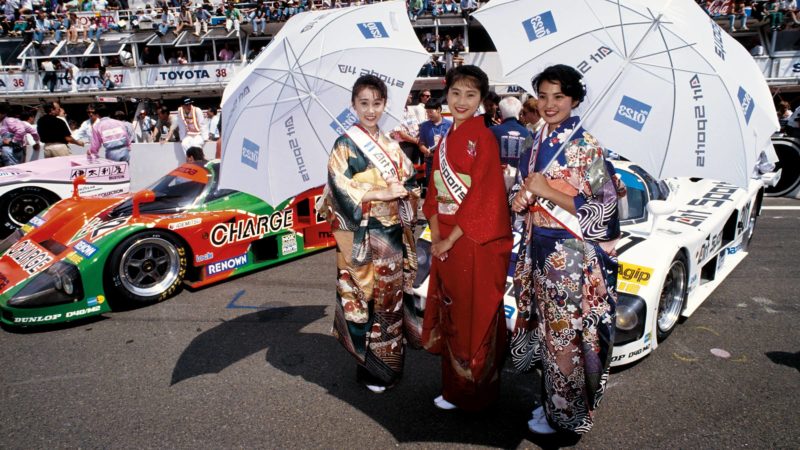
(567, 285)
(376, 259)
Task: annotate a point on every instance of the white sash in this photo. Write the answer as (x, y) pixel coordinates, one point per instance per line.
(380, 158)
(455, 186)
(557, 213)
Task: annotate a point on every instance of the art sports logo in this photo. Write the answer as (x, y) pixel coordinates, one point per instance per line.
(373, 30)
(540, 26)
(747, 104)
(632, 113)
(250, 153)
(346, 119)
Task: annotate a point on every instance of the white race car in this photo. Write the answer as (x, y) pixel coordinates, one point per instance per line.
(27, 189)
(681, 237)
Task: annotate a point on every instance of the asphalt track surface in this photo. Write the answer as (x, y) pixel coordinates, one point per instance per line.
(250, 363)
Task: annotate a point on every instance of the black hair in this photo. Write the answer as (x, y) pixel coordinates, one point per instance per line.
(101, 110)
(163, 109)
(369, 82)
(469, 73)
(433, 103)
(48, 107)
(27, 113)
(196, 153)
(120, 115)
(493, 97)
(567, 77)
(4, 109)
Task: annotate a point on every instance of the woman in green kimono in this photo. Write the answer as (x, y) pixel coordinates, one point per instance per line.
(371, 204)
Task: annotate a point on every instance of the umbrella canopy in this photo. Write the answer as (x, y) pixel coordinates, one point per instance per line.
(282, 114)
(667, 87)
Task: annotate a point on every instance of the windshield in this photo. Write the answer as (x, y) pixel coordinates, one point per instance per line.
(176, 191)
(642, 187)
(632, 206)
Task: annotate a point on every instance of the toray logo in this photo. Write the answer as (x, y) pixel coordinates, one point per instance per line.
(250, 153)
(346, 119)
(539, 26)
(747, 104)
(632, 113)
(373, 30)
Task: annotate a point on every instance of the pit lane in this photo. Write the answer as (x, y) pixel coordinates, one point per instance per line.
(251, 363)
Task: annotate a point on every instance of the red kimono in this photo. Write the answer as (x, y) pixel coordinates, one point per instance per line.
(464, 320)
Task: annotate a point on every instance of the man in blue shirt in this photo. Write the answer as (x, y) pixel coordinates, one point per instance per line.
(510, 133)
(431, 132)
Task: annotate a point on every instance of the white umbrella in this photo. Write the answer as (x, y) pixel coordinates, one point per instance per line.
(667, 87)
(282, 114)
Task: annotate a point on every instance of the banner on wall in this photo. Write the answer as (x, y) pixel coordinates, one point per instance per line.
(189, 74)
(87, 80)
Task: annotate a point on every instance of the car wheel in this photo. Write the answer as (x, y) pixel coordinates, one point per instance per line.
(20, 205)
(673, 297)
(751, 224)
(147, 267)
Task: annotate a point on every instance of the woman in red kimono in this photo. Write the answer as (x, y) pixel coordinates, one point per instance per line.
(471, 236)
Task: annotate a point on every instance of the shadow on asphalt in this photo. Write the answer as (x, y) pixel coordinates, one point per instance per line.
(406, 411)
(785, 359)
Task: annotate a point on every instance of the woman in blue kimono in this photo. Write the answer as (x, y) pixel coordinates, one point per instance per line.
(567, 267)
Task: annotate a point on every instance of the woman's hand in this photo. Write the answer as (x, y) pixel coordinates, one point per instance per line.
(521, 201)
(439, 249)
(537, 185)
(394, 191)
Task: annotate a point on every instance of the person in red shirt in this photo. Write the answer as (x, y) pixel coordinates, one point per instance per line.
(471, 246)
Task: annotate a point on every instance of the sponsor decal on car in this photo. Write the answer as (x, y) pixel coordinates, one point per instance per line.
(205, 257)
(288, 244)
(96, 228)
(36, 319)
(184, 224)
(74, 258)
(85, 249)
(226, 265)
(251, 227)
(635, 274)
(719, 194)
(540, 26)
(710, 245)
(690, 217)
(101, 171)
(631, 354)
(110, 193)
(3, 281)
(36, 221)
(94, 301)
(82, 312)
(30, 256)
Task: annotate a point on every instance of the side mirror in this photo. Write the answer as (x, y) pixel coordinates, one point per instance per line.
(145, 196)
(75, 183)
(660, 208)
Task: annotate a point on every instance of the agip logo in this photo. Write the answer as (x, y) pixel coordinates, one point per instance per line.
(373, 30)
(747, 103)
(540, 26)
(346, 119)
(633, 113)
(250, 153)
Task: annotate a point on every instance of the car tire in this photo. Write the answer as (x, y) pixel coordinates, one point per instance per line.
(752, 219)
(146, 268)
(672, 297)
(20, 205)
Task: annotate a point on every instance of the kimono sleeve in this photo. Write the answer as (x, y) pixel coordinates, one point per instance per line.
(483, 215)
(346, 193)
(430, 207)
(596, 201)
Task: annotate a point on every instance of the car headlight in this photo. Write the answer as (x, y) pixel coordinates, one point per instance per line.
(626, 317)
(631, 314)
(59, 284)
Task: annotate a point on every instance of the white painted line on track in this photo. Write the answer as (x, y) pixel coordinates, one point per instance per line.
(781, 208)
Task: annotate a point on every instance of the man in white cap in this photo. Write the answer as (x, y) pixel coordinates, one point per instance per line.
(191, 125)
